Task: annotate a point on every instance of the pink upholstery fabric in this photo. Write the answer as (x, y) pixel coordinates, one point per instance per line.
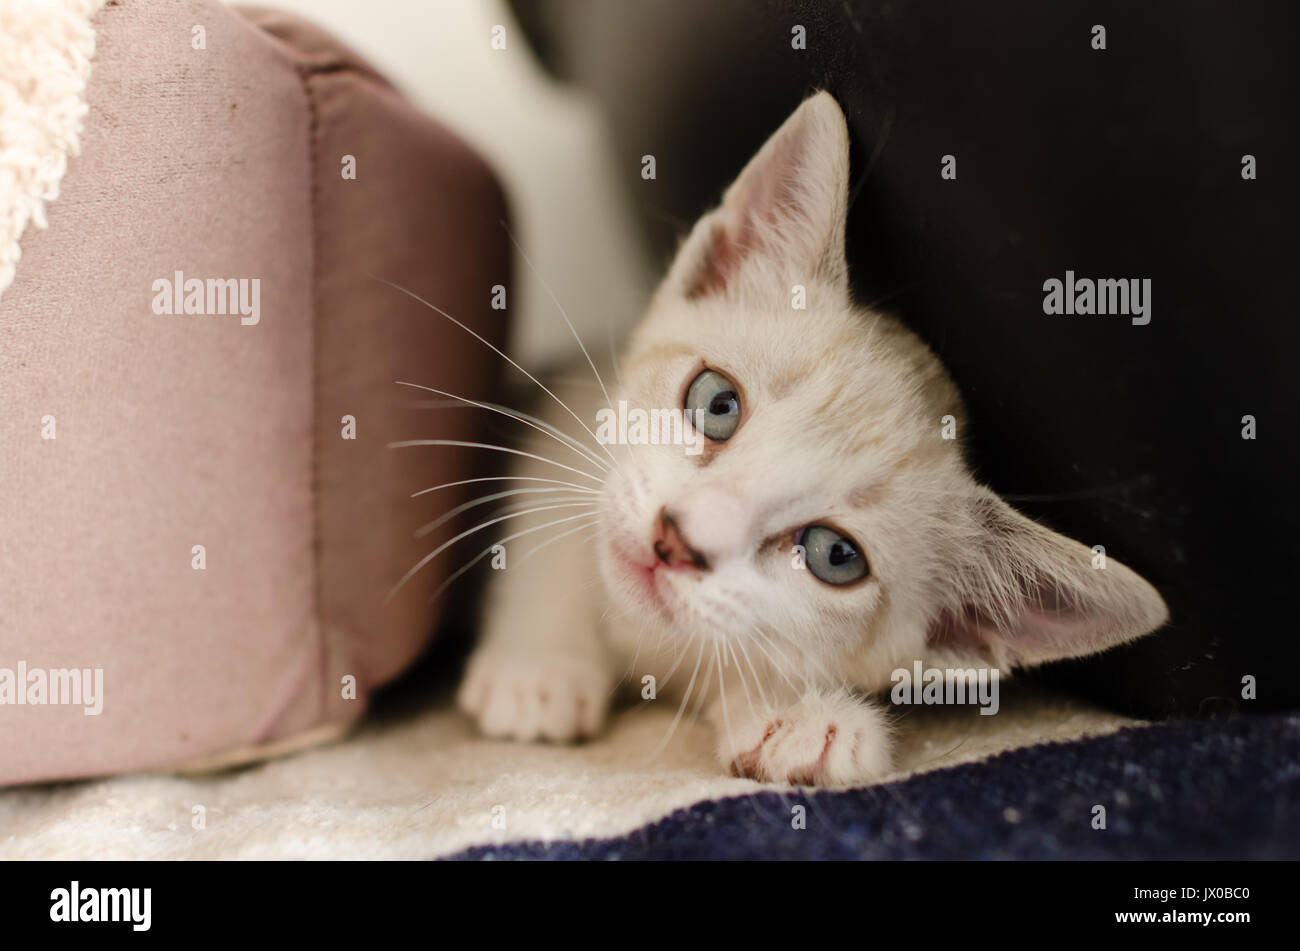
(177, 431)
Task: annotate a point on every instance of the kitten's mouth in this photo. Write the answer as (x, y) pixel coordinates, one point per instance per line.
(643, 572)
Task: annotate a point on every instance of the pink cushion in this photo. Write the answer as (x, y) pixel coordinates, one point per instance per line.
(177, 431)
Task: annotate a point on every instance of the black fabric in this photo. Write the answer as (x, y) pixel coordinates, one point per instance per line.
(1191, 790)
(1116, 163)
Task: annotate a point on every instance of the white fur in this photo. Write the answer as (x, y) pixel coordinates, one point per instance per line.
(841, 425)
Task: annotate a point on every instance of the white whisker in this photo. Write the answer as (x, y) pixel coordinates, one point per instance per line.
(758, 681)
(722, 694)
(449, 485)
(740, 675)
(703, 695)
(558, 306)
(501, 354)
(408, 443)
(447, 516)
(532, 421)
(778, 668)
(465, 534)
(594, 523)
(685, 699)
(487, 551)
(680, 657)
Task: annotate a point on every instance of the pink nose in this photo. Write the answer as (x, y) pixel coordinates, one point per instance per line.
(671, 546)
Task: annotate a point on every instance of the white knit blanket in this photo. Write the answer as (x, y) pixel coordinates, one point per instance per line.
(425, 785)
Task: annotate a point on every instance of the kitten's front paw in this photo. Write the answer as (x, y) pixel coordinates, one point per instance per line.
(826, 739)
(529, 695)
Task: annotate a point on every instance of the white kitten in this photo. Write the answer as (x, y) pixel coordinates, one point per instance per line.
(825, 432)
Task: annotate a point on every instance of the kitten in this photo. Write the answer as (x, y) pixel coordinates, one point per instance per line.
(826, 535)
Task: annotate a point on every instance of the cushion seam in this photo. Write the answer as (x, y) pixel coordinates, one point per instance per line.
(313, 178)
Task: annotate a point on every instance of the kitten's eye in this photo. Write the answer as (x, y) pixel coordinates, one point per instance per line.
(714, 405)
(831, 557)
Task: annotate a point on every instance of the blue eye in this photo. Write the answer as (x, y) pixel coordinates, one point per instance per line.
(832, 557)
(713, 404)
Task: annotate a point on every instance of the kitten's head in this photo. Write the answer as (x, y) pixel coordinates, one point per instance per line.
(827, 519)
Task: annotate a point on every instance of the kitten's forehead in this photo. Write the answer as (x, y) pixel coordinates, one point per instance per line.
(829, 381)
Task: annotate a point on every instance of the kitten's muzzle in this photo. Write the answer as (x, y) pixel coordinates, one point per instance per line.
(671, 546)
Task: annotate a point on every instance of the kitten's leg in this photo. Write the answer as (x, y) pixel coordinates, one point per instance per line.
(827, 737)
(541, 670)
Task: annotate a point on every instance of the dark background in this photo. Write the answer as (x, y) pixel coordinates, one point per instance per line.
(1122, 163)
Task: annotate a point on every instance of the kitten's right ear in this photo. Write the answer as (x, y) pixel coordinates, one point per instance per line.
(782, 219)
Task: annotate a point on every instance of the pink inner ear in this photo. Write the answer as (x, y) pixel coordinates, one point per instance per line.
(1039, 632)
(718, 265)
(763, 204)
(966, 631)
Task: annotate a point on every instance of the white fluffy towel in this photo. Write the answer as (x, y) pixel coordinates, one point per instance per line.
(45, 52)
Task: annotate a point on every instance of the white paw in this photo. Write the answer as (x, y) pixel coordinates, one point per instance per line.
(826, 739)
(530, 695)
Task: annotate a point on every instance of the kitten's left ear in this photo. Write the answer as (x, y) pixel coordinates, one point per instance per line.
(1030, 595)
(784, 216)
